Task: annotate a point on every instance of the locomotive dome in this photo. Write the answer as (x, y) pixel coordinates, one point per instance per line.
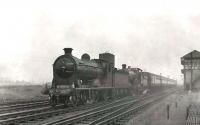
(85, 57)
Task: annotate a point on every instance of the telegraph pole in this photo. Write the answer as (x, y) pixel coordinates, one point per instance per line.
(161, 79)
(167, 79)
(191, 73)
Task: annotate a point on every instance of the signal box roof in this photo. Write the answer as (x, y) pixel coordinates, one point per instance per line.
(192, 55)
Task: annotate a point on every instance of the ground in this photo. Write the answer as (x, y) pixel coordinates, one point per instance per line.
(21, 92)
(157, 114)
(154, 115)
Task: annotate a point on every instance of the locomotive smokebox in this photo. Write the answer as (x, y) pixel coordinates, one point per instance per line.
(68, 51)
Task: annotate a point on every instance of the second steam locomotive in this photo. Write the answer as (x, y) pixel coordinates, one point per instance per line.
(76, 81)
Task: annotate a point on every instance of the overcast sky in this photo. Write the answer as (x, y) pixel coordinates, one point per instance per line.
(150, 34)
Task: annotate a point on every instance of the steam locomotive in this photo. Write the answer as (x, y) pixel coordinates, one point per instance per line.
(77, 81)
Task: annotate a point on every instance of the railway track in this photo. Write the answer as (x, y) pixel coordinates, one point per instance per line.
(22, 116)
(22, 106)
(109, 114)
(90, 114)
(120, 117)
(22, 102)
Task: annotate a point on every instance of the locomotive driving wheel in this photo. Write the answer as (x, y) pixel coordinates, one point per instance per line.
(83, 98)
(73, 100)
(53, 101)
(66, 101)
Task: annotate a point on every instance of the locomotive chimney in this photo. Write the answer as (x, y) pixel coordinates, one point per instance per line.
(68, 51)
(123, 66)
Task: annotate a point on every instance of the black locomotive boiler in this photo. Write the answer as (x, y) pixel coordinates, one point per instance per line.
(76, 81)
